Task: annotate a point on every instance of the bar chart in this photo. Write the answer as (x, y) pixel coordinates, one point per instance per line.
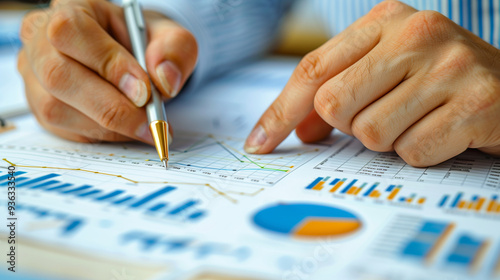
(427, 240)
(66, 223)
(471, 168)
(467, 251)
(152, 202)
(353, 187)
(476, 203)
(414, 239)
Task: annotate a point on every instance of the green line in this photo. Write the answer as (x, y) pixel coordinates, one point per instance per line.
(253, 161)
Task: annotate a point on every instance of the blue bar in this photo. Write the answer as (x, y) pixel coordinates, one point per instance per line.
(125, 199)
(443, 201)
(402, 199)
(157, 207)
(474, 198)
(82, 188)
(367, 193)
(109, 195)
(390, 188)
(335, 181)
(494, 197)
(349, 186)
(152, 196)
(88, 193)
(183, 207)
(314, 183)
(39, 179)
(72, 226)
(44, 184)
(59, 187)
(17, 180)
(457, 200)
(5, 177)
(196, 215)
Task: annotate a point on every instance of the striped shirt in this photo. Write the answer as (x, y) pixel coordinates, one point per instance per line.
(229, 32)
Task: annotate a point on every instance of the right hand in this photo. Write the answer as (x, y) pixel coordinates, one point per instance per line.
(81, 80)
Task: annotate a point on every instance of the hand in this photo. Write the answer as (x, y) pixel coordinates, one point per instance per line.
(81, 80)
(397, 79)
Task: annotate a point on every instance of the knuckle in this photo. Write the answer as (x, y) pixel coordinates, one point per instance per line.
(311, 67)
(327, 104)
(112, 116)
(53, 71)
(31, 22)
(388, 7)
(51, 111)
(426, 26)
(60, 25)
(279, 118)
(111, 60)
(370, 134)
(411, 155)
(458, 58)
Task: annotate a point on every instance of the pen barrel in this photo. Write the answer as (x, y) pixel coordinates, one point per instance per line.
(154, 108)
(137, 31)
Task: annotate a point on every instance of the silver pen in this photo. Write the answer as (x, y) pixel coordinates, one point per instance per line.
(155, 110)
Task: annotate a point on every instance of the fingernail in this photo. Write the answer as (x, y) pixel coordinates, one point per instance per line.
(255, 140)
(134, 89)
(170, 77)
(143, 133)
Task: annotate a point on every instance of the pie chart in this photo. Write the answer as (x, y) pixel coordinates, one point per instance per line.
(307, 220)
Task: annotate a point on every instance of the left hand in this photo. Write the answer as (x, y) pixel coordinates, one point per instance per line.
(397, 79)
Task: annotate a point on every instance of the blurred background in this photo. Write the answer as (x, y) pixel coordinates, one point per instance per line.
(300, 33)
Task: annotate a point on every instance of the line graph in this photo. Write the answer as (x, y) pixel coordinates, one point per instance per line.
(206, 155)
(217, 191)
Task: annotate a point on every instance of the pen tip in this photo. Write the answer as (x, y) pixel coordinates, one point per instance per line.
(165, 163)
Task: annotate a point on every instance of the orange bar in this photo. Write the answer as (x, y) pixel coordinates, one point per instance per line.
(319, 186)
(352, 190)
(471, 204)
(461, 204)
(337, 186)
(491, 206)
(357, 191)
(498, 208)
(409, 200)
(375, 194)
(441, 240)
(421, 200)
(393, 194)
(479, 203)
(479, 255)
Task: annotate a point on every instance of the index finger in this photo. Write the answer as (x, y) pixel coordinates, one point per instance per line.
(297, 98)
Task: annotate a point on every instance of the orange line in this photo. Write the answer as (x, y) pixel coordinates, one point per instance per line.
(128, 179)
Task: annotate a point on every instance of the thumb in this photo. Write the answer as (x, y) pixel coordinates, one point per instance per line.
(171, 54)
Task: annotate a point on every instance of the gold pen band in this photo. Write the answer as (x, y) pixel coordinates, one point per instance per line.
(159, 131)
